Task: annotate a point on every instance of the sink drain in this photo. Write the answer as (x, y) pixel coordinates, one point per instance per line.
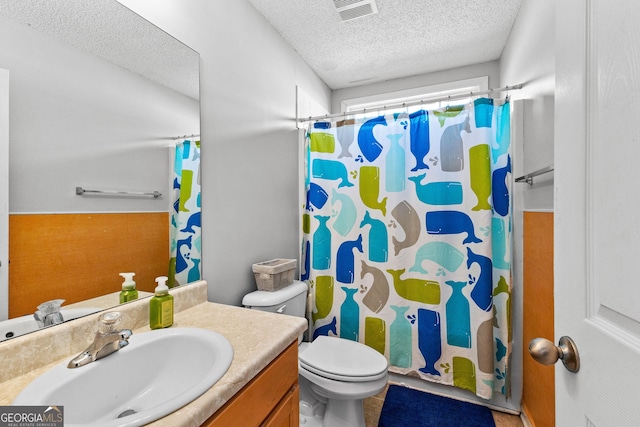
(127, 413)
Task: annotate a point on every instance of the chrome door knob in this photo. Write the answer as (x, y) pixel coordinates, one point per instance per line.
(547, 353)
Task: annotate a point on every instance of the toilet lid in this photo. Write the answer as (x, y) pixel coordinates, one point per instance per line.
(343, 360)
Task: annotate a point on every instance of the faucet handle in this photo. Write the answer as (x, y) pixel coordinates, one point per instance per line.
(125, 334)
(48, 313)
(39, 316)
(108, 321)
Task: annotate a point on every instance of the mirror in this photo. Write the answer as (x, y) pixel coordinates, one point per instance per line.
(98, 99)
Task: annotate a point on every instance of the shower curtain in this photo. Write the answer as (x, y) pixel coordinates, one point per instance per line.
(407, 240)
(185, 226)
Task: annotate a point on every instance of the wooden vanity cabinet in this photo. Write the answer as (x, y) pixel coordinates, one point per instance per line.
(271, 399)
(287, 413)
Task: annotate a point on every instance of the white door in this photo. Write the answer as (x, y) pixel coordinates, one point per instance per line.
(597, 211)
(4, 194)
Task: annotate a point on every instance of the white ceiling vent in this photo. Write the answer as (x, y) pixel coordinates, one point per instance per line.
(352, 9)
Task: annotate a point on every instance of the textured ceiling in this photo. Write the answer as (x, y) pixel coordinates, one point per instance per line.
(405, 38)
(109, 30)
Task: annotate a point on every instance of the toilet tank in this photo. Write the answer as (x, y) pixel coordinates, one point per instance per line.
(291, 300)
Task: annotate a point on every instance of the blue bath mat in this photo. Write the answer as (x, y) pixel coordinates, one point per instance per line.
(406, 407)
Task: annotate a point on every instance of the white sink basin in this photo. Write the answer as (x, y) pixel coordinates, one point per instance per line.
(23, 325)
(157, 373)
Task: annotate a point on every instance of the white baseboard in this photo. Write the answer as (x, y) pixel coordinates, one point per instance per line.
(525, 420)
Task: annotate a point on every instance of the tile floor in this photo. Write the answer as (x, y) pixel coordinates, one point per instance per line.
(373, 407)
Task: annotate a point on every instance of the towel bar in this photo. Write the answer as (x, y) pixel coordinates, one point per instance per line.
(80, 191)
(528, 178)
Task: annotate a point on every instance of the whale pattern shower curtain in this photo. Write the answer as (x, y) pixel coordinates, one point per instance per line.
(407, 240)
(185, 227)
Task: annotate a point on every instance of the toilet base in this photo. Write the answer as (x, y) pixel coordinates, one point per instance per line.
(339, 413)
(317, 410)
(311, 415)
(344, 413)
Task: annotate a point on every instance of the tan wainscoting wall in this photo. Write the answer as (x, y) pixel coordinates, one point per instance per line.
(538, 394)
(79, 256)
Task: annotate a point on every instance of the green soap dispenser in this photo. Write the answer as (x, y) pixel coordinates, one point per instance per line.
(161, 306)
(129, 292)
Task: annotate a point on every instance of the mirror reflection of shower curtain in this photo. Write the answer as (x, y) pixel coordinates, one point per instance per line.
(407, 240)
(185, 226)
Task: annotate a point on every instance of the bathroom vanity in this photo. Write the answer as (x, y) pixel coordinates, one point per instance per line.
(272, 397)
(259, 388)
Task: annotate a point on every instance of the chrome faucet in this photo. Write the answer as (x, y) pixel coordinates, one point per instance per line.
(48, 313)
(106, 341)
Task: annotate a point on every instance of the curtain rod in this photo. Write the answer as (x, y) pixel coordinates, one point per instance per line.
(409, 104)
(185, 136)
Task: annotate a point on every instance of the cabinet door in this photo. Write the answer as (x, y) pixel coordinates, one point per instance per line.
(256, 402)
(287, 413)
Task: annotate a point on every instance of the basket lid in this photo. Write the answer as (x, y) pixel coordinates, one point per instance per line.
(274, 266)
(268, 298)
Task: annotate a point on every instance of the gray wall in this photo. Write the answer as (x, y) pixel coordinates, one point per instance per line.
(490, 69)
(248, 78)
(529, 58)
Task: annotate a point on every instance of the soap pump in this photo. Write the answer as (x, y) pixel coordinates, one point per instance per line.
(129, 292)
(161, 306)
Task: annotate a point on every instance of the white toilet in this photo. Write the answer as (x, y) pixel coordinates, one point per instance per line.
(335, 374)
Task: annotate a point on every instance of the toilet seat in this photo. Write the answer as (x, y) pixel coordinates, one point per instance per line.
(343, 360)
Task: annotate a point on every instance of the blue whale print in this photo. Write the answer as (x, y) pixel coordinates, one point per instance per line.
(349, 315)
(499, 252)
(194, 221)
(322, 125)
(325, 329)
(482, 291)
(332, 170)
(316, 197)
(322, 244)
(438, 193)
(499, 189)
(194, 272)
(304, 275)
(441, 253)
(420, 142)
(451, 222)
(369, 145)
(345, 264)
(429, 339)
(181, 263)
(483, 112)
(378, 238)
(348, 213)
(503, 133)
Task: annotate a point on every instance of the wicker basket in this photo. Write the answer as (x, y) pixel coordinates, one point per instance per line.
(274, 274)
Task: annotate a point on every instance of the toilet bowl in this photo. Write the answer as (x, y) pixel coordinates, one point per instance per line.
(335, 374)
